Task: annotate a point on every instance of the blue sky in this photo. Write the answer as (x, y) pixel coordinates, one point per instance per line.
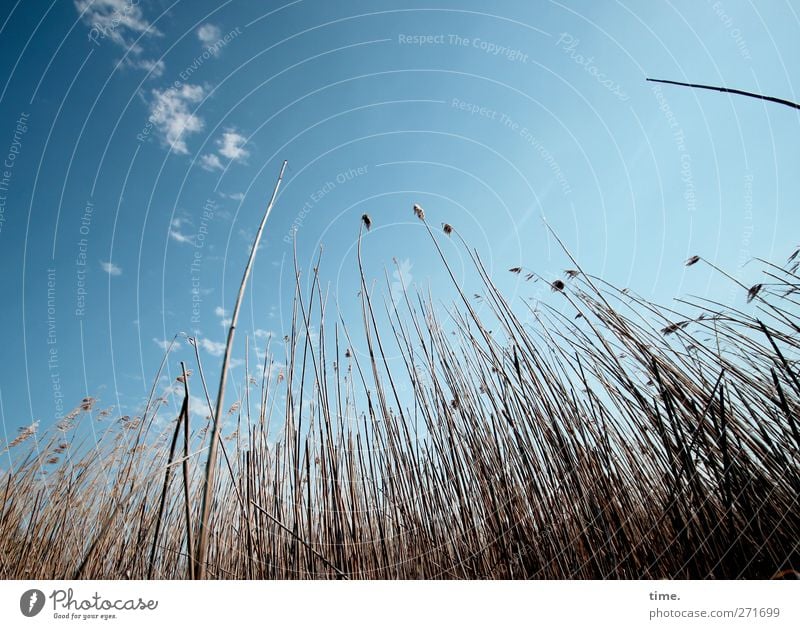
(141, 140)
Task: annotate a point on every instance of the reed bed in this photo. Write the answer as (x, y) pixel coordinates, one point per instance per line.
(599, 436)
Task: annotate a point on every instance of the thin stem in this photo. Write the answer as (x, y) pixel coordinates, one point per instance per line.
(211, 464)
(772, 99)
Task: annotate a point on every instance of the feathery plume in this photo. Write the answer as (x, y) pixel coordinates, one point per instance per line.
(25, 433)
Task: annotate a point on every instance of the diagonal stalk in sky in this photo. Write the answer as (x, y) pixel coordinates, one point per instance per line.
(211, 464)
(730, 90)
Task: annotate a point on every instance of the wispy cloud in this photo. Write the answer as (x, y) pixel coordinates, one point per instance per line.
(178, 227)
(155, 67)
(209, 34)
(123, 23)
(212, 347)
(199, 406)
(110, 268)
(180, 237)
(164, 344)
(402, 278)
(225, 321)
(211, 162)
(171, 115)
(231, 145)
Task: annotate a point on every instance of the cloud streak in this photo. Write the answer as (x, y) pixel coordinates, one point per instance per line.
(212, 347)
(110, 268)
(208, 34)
(118, 20)
(123, 23)
(230, 146)
(170, 113)
(211, 162)
(165, 345)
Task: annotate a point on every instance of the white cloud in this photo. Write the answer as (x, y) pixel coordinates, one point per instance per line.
(120, 21)
(211, 162)
(231, 145)
(212, 347)
(311, 333)
(181, 237)
(155, 67)
(402, 278)
(169, 112)
(164, 344)
(110, 268)
(208, 34)
(262, 334)
(198, 407)
(223, 314)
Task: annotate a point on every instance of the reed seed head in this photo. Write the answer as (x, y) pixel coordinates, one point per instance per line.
(25, 433)
(753, 292)
(673, 327)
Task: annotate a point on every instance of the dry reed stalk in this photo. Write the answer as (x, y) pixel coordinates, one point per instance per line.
(202, 542)
(551, 447)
